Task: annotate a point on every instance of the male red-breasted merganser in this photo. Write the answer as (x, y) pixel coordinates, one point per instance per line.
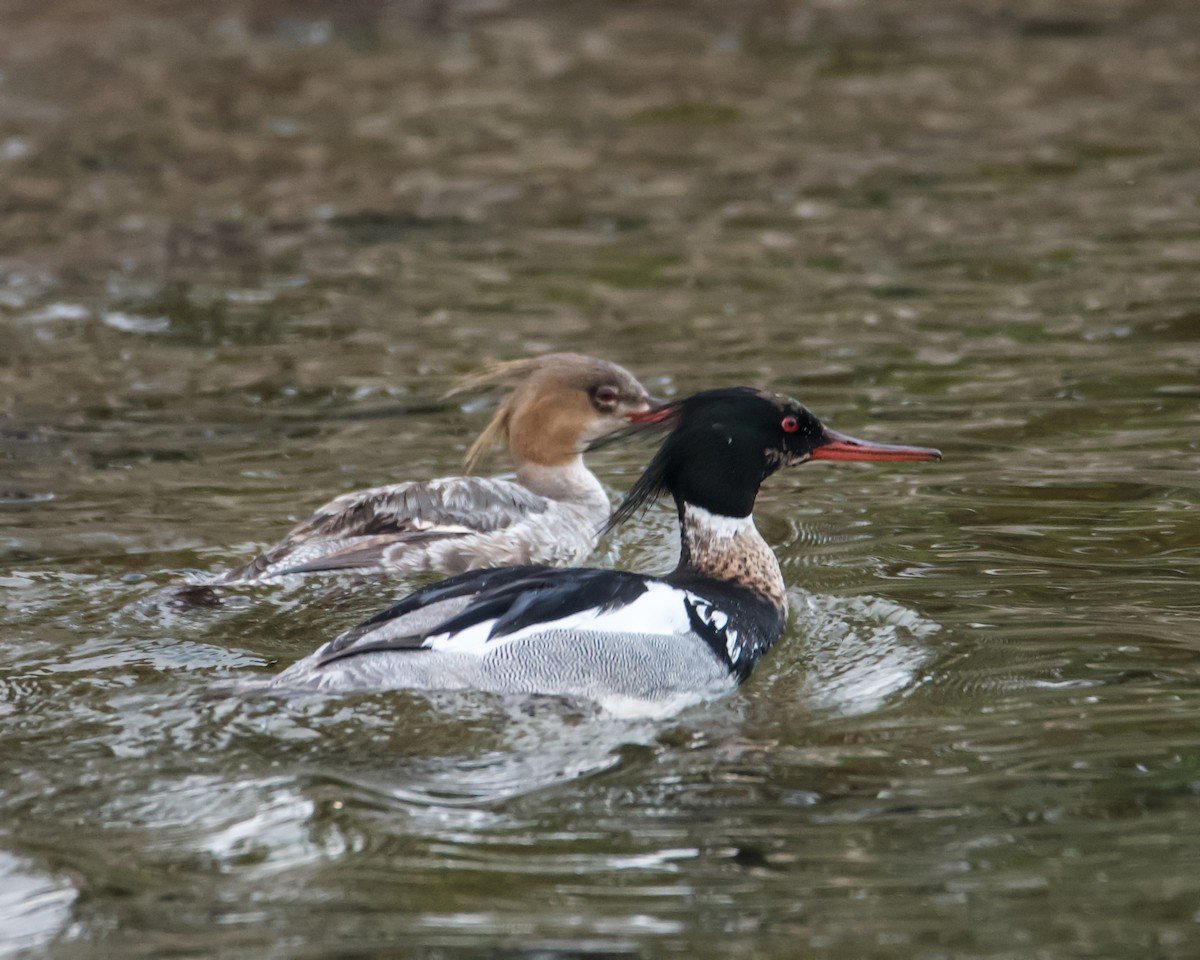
(552, 514)
(611, 636)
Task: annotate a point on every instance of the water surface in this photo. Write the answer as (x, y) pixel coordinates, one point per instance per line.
(245, 249)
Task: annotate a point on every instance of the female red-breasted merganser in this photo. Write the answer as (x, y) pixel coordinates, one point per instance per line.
(552, 514)
(609, 636)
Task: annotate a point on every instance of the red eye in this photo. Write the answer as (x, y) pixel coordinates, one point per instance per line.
(790, 424)
(606, 395)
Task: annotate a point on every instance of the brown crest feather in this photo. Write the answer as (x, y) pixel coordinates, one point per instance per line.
(494, 434)
(526, 377)
(502, 373)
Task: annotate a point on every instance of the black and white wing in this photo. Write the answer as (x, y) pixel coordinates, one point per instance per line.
(474, 611)
(609, 636)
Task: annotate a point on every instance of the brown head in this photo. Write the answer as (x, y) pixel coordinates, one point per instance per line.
(559, 402)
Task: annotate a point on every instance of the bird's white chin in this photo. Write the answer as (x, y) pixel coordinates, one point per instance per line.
(599, 427)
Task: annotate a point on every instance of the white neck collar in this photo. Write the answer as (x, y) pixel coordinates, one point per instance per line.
(716, 524)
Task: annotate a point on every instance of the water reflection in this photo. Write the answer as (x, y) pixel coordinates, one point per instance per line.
(858, 652)
(34, 907)
(246, 248)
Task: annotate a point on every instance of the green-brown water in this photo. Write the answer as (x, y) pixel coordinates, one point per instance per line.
(245, 246)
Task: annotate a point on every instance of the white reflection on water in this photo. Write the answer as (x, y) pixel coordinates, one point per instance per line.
(259, 822)
(33, 907)
(857, 651)
(538, 743)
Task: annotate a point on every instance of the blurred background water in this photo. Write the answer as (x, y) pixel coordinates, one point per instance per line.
(246, 244)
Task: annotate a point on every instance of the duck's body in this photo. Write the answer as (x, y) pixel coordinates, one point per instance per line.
(601, 635)
(613, 636)
(550, 515)
(450, 524)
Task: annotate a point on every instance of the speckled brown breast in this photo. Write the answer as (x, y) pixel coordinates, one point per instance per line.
(743, 558)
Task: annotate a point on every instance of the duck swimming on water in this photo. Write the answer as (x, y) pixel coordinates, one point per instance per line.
(612, 636)
(552, 514)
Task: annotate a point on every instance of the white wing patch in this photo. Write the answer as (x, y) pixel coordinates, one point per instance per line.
(660, 610)
(718, 620)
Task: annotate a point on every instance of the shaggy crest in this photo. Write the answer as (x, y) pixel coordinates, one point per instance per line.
(652, 484)
(502, 373)
(521, 376)
(691, 421)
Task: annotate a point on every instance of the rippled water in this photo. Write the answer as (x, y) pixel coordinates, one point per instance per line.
(245, 247)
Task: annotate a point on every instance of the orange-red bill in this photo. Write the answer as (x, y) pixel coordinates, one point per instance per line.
(838, 446)
(659, 411)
